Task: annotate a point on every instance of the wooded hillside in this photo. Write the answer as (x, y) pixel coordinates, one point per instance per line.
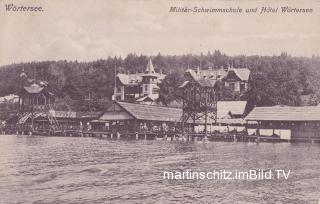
(275, 79)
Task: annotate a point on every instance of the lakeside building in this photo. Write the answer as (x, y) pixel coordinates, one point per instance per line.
(199, 96)
(144, 87)
(55, 122)
(139, 87)
(238, 79)
(34, 95)
(230, 117)
(126, 117)
(295, 123)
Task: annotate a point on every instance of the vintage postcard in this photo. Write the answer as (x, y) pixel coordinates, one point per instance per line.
(159, 101)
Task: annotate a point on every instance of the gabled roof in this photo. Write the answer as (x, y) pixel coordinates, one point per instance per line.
(130, 79)
(136, 79)
(233, 107)
(33, 88)
(213, 73)
(285, 113)
(147, 98)
(242, 73)
(204, 82)
(116, 115)
(151, 112)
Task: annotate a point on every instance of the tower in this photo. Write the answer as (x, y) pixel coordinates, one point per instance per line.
(149, 81)
(199, 101)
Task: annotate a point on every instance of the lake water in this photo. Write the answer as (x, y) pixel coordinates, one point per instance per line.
(88, 170)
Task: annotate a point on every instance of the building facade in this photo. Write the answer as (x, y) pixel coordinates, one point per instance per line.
(129, 118)
(139, 87)
(237, 79)
(34, 95)
(295, 123)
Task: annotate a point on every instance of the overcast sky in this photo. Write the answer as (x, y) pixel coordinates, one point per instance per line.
(87, 30)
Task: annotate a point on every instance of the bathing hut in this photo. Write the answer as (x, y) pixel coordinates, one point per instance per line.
(128, 118)
(290, 123)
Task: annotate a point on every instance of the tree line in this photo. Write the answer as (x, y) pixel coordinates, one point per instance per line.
(275, 80)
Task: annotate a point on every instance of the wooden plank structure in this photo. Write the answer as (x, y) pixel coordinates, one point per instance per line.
(129, 119)
(66, 123)
(299, 123)
(34, 97)
(199, 101)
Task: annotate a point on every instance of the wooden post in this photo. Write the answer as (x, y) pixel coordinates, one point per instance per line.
(235, 138)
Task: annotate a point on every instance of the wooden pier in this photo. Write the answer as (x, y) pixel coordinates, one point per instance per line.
(188, 137)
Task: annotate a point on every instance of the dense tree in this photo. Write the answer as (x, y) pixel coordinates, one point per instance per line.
(169, 88)
(274, 80)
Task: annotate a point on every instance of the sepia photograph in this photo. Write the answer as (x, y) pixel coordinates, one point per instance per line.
(159, 101)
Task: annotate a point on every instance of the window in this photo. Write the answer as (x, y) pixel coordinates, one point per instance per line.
(242, 87)
(155, 90)
(232, 85)
(119, 89)
(145, 88)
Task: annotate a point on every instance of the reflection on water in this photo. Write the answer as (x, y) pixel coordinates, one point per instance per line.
(89, 170)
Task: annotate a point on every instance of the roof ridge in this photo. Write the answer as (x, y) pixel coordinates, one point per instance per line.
(160, 106)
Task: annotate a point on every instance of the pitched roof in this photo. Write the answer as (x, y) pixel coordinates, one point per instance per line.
(109, 115)
(213, 73)
(152, 112)
(33, 88)
(205, 82)
(136, 79)
(150, 68)
(130, 79)
(147, 98)
(233, 107)
(242, 73)
(285, 113)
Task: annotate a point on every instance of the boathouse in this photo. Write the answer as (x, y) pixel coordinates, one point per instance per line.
(129, 118)
(291, 123)
(65, 122)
